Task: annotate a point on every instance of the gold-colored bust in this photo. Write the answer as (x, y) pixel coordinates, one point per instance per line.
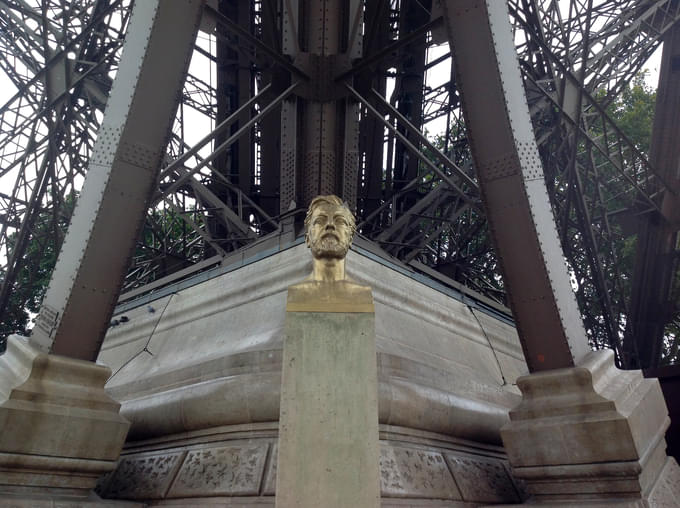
(329, 229)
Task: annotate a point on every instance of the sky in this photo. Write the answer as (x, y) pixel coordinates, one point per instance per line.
(435, 77)
(201, 66)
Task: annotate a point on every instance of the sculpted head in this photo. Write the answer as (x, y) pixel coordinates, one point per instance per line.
(329, 228)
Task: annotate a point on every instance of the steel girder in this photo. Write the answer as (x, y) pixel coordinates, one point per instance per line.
(599, 182)
(656, 279)
(594, 174)
(123, 169)
(60, 63)
(511, 179)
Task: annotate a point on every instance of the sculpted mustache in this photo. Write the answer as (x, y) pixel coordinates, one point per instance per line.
(328, 240)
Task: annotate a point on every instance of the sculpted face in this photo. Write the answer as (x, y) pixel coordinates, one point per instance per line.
(329, 233)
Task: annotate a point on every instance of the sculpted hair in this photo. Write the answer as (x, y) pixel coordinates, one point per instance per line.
(335, 201)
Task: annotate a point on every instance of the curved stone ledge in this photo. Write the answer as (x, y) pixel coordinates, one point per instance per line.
(233, 400)
(407, 404)
(210, 321)
(248, 397)
(210, 355)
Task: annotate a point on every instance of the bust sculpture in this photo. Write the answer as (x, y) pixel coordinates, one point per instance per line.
(329, 229)
(328, 449)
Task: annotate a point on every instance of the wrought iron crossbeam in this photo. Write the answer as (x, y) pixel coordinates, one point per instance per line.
(235, 160)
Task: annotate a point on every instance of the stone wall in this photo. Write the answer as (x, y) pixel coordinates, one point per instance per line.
(205, 362)
(237, 467)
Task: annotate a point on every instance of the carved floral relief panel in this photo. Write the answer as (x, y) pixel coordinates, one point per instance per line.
(482, 480)
(411, 472)
(144, 476)
(234, 470)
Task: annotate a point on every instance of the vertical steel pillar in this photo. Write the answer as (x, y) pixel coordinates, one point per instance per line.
(511, 179)
(290, 45)
(121, 177)
(319, 128)
(371, 130)
(234, 88)
(409, 88)
(657, 244)
(270, 127)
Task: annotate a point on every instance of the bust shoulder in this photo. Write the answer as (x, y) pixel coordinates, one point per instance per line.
(336, 296)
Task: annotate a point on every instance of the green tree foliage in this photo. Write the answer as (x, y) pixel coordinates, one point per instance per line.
(36, 268)
(169, 242)
(633, 112)
(166, 236)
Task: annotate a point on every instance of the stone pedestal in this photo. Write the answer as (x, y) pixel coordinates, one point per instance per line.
(328, 434)
(59, 430)
(592, 434)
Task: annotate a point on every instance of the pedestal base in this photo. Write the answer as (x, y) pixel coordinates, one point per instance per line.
(590, 435)
(60, 430)
(328, 434)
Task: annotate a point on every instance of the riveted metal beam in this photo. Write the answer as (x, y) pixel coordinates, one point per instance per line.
(654, 276)
(511, 179)
(122, 172)
(597, 181)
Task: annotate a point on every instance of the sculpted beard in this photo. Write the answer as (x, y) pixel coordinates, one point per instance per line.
(328, 246)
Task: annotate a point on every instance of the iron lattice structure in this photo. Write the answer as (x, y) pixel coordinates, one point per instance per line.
(227, 180)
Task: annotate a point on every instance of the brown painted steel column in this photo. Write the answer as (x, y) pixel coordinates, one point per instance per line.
(320, 127)
(652, 304)
(511, 179)
(122, 172)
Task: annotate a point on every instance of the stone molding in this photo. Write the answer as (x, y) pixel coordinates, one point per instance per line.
(591, 433)
(267, 280)
(60, 430)
(416, 469)
(441, 367)
(406, 397)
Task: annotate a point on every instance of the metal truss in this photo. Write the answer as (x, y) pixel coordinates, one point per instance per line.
(58, 61)
(597, 178)
(227, 177)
